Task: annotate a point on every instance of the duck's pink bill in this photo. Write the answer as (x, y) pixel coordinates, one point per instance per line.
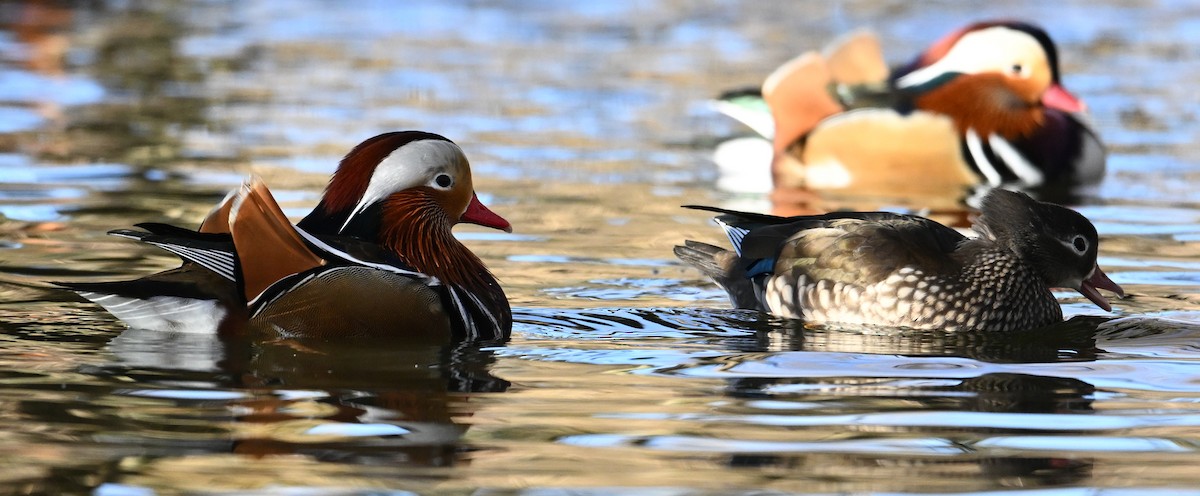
(1100, 280)
(478, 214)
(1057, 97)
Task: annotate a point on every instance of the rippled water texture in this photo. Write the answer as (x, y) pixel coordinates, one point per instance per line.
(587, 126)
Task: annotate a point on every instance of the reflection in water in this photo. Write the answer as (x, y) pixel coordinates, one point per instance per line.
(749, 331)
(1002, 393)
(863, 429)
(609, 323)
(157, 92)
(1071, 340)
(587, 124)
(422, 391)
(370, 403)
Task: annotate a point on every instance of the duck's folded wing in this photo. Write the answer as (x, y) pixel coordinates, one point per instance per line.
(269, 246)
(864, 251)
(212, 251)
(760, 236)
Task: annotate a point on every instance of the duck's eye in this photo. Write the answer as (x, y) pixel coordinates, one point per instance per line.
(1080, 243)
(443, 180)
(1018, 69)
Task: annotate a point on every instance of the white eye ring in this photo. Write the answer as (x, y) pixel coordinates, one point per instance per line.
(1079, 244)
(443, 181)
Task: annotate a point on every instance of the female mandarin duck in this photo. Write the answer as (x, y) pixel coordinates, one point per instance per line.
(982, 108)
(897, 270)
(375, 257)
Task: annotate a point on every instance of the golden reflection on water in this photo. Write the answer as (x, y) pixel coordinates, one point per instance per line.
(586, 130)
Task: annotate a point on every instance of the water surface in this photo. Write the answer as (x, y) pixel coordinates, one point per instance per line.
(587, 127)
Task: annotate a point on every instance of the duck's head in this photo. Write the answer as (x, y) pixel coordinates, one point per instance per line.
(1060, 243)
(1009, 66)
(398, 175)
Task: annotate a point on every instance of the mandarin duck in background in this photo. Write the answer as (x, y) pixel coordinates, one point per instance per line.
(982, 108)
(376, 257)
(886, 269)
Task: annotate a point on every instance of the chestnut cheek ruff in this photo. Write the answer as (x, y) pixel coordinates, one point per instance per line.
(417, 229)
(985, 103)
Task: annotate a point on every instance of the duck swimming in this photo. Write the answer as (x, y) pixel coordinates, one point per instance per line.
(376, 257)
(886, 269)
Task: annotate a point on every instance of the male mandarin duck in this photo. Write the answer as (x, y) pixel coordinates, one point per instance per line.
(983, 107)
(376, 257)
(886, 269)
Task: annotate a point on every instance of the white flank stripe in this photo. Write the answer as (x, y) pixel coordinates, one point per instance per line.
(483, 308)
(469, 323)
(975, 146)
(346, 256)
(310, 277)
(1029, 174)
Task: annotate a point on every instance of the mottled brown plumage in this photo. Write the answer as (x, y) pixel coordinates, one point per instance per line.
(883, 269)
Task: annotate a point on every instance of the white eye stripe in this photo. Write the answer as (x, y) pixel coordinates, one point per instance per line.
(403, 170)
(997, 48)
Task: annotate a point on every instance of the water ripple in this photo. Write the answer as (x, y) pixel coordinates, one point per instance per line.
(925, 446)
(941, 420)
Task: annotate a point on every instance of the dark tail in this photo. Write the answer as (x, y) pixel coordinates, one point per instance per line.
(740, 92)
(703, 256)
(722, 266)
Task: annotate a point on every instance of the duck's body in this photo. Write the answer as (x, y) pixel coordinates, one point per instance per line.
(884, 269)
(375, 258)
(982, 108)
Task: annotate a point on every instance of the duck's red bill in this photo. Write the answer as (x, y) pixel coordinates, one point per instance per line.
(1057, 97)
(1099, 280)
(478, 214)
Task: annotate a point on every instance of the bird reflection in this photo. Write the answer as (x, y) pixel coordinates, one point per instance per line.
(368, 401)
(999, 392)
(1072, 340)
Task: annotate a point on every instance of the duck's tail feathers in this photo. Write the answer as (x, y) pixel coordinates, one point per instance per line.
(747, 106)
(738, 224)
(211, 251)
(702, 256)
(161, 313)
(751, 216)
(162, 301)
(722, 266)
